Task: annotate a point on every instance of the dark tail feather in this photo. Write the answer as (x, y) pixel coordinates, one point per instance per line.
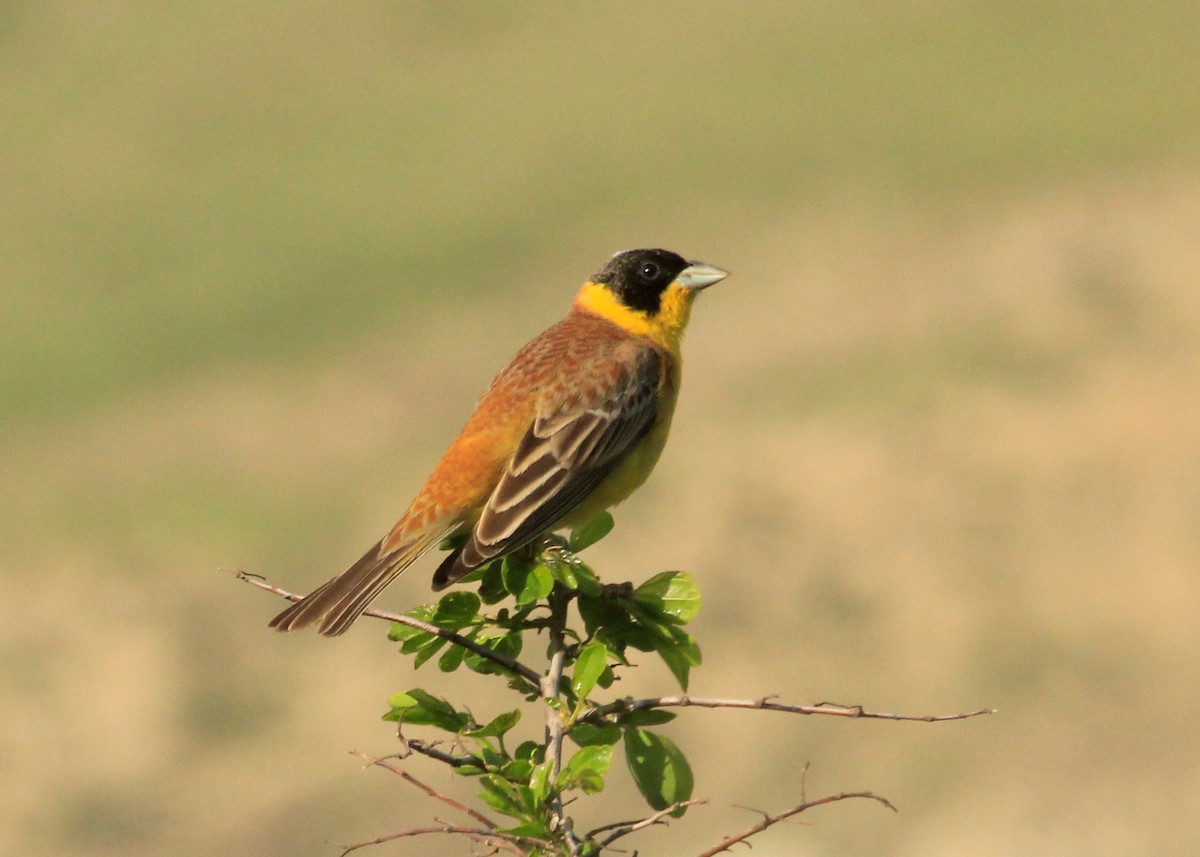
(451, 569)
(338, 602)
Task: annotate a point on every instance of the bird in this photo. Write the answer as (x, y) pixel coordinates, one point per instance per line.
(569, 428)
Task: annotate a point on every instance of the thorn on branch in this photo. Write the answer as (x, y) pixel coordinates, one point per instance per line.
(765, 703)
(771, 820)
(624, 828)
(494, 838)
(426, 748)
(383, 762)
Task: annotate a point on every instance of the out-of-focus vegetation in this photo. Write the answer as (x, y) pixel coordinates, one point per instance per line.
(257, 259)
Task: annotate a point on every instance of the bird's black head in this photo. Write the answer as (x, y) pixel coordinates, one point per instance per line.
(638, 278)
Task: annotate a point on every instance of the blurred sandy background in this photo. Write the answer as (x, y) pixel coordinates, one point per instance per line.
(938, 448)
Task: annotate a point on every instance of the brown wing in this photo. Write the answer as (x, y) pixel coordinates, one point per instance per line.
(560, 460)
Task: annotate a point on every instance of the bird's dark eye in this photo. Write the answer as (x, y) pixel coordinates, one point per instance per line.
(650, 271)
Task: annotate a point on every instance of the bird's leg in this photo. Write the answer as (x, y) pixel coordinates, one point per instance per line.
(554, 545)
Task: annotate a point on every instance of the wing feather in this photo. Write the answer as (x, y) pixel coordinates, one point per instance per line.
(563, 457)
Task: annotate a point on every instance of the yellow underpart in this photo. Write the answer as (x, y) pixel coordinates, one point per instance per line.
(664, 327)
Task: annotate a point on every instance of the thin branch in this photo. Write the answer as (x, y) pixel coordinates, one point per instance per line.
(624, 828)
(528, 673)
(516, 844)
(624, 706)
(551, 684)
(382, 762)
(551, 691)
(771, 820)
(416, 745)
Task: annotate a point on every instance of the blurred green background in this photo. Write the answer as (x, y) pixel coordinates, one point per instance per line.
(938, 447)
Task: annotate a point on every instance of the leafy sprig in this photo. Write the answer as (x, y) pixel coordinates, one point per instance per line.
(529, 783)
(549, 596)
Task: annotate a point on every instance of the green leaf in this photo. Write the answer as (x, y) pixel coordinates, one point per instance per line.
(523, 686)
(428, 651)
(491, 586)
(646, 717)
(589, 664)
(492, 757)
(538, 584)
(399, 633)
(586, 769)
(572, 572)
(436, 706)
(659, 769)
(452, 659)
(503, 796)
(597, 612)
(587, 734)
(511, 799)
(498, 725)
(416, 642)
(589, 584)
(517, 771)
(515, 571)
(527, 750)
(672, 592)
(596, 758)
(400, 699)
(588, 534)
(539, 780)
(402, 633)
(456, 610)
(532, 829)
(589, 782)
(680, 654)
(501, 642)
(423, 709)
(562, 570)
(641, 637)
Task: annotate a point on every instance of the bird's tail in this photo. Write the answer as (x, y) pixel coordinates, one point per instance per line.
(338, 602)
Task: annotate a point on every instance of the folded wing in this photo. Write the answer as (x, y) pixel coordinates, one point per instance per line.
(563, 457)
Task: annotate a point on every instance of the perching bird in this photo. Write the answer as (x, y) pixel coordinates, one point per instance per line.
(570, 427)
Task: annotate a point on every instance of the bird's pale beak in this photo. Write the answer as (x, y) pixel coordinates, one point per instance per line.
(698, 276)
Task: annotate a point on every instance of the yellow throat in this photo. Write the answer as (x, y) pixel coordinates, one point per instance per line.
(664, 327)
